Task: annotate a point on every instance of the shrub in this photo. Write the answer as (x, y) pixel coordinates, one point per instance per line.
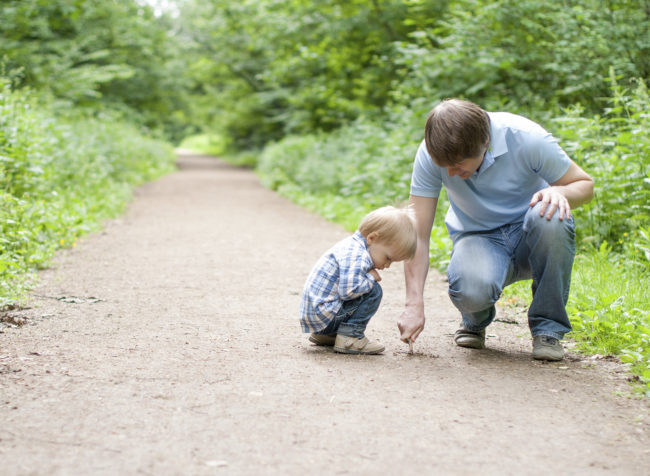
(615, 149)
(59, 177)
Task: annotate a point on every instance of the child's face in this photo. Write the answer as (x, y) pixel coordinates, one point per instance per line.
(382, 255)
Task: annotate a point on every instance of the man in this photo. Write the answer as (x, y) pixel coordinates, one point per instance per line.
(511, 190)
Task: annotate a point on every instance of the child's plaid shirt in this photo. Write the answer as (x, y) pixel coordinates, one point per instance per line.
(340, 275)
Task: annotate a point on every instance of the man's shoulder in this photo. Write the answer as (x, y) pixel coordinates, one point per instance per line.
(515, 123)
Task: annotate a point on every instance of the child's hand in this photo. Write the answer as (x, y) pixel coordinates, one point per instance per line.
(375, 274)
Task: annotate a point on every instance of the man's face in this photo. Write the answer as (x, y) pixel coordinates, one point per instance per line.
(466, 167)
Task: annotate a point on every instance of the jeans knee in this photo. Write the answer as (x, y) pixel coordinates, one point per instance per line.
(373, 298)
(473, 294)
(553, 228)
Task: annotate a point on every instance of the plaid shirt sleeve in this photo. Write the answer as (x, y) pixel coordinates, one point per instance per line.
(340, 275)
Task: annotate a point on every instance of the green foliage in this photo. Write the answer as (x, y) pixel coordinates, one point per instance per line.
(366, 162)
(59, 177)
(265, 69)
(95, 54)
(615, 320)
(615, 149)
(208, 144)
(272, 68)
(526, 56)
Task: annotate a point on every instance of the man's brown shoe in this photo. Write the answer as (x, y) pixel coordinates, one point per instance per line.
(466, 338)
(353, 345)
(323, 339)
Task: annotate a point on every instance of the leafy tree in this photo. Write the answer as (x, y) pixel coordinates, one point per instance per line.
(94, 53)
(530, 55)
(271, 68)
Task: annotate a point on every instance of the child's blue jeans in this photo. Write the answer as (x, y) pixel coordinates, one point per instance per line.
(355, 314)
(483, 263)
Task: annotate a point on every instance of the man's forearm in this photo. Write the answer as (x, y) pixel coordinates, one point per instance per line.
(415, 275)
(576, 186)
(577, 193)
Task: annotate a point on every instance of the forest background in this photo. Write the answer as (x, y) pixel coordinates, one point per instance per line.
(326, 99)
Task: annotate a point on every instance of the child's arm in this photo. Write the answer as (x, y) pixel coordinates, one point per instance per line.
(355, 274)
(375, 274)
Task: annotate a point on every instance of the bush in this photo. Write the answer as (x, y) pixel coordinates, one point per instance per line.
(59, 177)
(615, 149)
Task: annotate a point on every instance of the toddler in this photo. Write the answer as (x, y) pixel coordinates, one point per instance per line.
(342, 291)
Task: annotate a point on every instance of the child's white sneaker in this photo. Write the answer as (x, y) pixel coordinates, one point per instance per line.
(354, 345)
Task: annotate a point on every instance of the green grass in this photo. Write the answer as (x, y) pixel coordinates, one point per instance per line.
(608, 306)
(210, 144)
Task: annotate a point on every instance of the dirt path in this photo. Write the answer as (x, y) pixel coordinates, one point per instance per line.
(192, 362)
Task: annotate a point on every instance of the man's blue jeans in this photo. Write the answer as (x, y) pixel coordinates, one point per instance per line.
(355, 314)
(483, 263)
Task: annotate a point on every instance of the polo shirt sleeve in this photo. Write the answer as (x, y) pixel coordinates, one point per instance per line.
(426, 180)
(546, 158)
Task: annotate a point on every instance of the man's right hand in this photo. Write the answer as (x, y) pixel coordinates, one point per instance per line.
(411, 323)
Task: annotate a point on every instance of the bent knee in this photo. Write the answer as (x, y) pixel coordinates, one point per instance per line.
(473, 294)
(534, 221)
(376, 291)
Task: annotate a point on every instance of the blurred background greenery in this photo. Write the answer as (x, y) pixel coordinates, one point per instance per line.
(326, 99)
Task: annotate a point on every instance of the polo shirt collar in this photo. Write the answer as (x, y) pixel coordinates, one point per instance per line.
(496, 147)
(498, 144)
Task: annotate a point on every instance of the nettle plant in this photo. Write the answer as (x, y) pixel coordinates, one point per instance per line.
(615, 149)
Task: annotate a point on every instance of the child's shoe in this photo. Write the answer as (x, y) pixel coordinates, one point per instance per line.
(323, 339)
(353, 345)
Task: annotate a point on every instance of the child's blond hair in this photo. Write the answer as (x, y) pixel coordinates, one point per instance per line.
(393, 226)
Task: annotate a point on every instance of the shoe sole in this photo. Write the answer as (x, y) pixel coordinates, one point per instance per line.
(470, 342)
(547, 356)
(357, 352)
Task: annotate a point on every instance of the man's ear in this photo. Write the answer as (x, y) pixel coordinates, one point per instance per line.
(372, 237)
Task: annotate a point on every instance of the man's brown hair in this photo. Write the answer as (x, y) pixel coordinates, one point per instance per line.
(456, 130)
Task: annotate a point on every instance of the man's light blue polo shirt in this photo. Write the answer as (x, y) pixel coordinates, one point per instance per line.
(522, 159)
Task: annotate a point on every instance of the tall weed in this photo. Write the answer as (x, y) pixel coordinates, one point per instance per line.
(615, 149)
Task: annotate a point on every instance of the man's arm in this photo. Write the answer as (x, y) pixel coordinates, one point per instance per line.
(574, 188)
(411, 322)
